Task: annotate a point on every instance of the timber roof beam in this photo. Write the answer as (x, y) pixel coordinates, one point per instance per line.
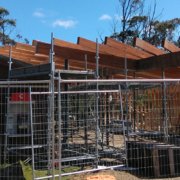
(170, 46)
(147, 47)
(77, 52)
(127, 49)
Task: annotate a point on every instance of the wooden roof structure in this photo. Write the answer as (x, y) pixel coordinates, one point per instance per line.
(143, 59)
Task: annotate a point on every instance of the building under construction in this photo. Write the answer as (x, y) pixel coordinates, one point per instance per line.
(71, 108)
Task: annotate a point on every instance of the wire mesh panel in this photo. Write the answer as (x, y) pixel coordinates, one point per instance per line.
(16, 127)
(78, 130)
(99, 124)
(87, 125)
(135, 125)
(151, 150)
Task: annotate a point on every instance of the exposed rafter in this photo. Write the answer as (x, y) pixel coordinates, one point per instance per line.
(77, 52)
(170, 46)
(147, 47)
(127, 49)
(112, 55)
(109, 50)
(24, 55)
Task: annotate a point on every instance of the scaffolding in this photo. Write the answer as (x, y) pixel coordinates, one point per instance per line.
(85, 134)
(76, 122)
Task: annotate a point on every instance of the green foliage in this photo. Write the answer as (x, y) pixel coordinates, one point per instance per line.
(3, 166)
(163, 30)
(3, 12)
(7, 25)
(27, 171)
(129, 9)
(135, 23)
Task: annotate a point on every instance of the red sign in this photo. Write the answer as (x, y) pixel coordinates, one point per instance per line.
(20, 97)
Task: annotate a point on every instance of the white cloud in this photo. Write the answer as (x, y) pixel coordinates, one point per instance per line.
(64, 23)
(105, 17)
(39, 13)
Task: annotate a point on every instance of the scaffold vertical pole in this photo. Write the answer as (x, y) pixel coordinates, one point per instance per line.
(97, 103)
(164, 110)
(52, 104)
(51, 133)
(8, 94)
(126, 97)
(59, 123)
(86, 109)
(32, 132)
(10, 62)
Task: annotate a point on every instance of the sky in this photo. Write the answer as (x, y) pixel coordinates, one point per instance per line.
(69, 19)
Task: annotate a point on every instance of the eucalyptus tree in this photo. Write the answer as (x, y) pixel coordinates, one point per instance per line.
(128, 9)
(138, 22)
(6, 27)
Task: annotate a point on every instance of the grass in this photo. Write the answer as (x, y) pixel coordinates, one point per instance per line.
(27, 172)
(3, 166)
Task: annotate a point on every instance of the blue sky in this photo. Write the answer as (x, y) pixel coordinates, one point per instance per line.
(68, 19)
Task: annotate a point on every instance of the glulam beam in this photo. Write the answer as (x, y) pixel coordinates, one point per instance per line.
(170, 46)
(147, 47)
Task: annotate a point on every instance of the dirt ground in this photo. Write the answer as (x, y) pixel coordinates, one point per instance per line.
(118, 175)
(116, 141)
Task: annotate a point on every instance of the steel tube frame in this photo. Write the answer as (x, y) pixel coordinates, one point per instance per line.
(10, 61)
(86, 109)
(52, 104)
(51, 159)
(86, 171)
(32, 133)
(122, 114)
(23, 82)
(164, 110)
(59, 124)
(97, 91)
(91, 81)
(79, 92)
(66, 107)
(126, 97)
(97, 103)
(9, 69)
(119, 80)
